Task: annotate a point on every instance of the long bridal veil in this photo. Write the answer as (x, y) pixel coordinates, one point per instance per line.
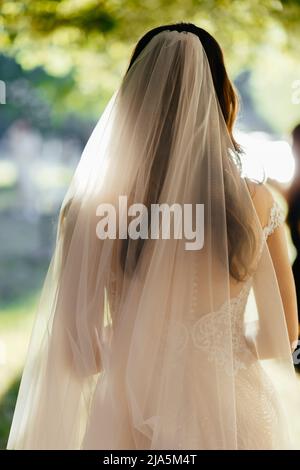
(135, 343)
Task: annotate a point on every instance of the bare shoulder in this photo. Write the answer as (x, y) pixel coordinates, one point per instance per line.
(262, 199)
(259, 191)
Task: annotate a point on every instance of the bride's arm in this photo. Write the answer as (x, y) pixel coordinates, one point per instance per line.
(277, 244)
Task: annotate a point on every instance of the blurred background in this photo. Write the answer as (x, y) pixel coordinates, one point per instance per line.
(60, 62)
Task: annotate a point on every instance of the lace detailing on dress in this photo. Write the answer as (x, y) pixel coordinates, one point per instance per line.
(212, 332)
(276, 218)
(218, 336)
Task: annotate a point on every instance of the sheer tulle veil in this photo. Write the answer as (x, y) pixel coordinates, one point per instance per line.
(118, 358)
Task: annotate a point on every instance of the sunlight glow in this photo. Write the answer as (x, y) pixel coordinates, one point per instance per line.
(265, 158)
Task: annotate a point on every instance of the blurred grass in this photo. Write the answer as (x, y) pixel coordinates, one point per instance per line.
(16, 320)
(7, 405)
(25, 246)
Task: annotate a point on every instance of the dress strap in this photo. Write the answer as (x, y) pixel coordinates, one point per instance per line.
(276, 218)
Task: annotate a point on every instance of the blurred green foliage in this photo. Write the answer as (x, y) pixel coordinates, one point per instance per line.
(16, 321)
(87, 22)
(41, 98)
(90, 41)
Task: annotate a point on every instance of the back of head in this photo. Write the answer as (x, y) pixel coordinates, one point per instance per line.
(224, 89)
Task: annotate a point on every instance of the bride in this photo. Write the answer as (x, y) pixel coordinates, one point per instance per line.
(140, 343)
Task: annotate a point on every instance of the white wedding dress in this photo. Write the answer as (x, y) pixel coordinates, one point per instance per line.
(259, 415)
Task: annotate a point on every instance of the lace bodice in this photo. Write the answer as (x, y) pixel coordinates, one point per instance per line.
(210, 334)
